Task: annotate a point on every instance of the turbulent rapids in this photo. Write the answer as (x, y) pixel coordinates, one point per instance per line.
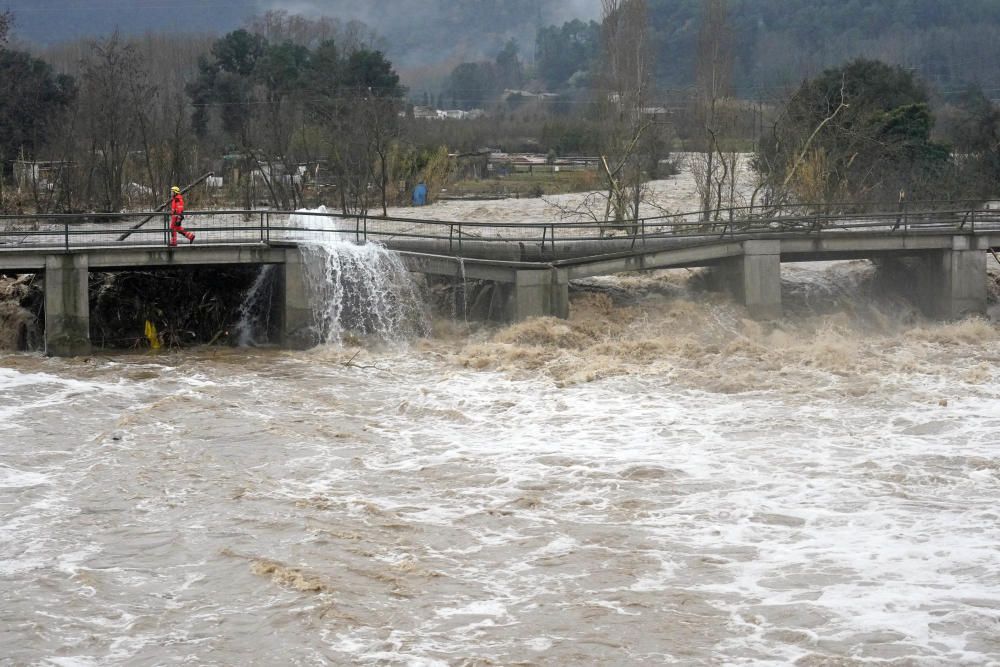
(657, 479)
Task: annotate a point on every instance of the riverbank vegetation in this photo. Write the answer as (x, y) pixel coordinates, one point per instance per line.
(292, 111)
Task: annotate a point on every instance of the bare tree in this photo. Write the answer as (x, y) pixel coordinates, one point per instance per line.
(624, 102)
(279, 26)
(715, 168)
(115, 89)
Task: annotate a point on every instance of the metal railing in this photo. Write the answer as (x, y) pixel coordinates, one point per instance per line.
(68, 232)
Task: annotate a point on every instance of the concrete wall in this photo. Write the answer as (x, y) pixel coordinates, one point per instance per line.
(964, 289)
(944, 284)
(542, 293)
(953, 282)
(67, 306)
(295, 314)
(753, 278)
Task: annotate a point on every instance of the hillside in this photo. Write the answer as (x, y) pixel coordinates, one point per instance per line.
(778, 43)
(415, 32)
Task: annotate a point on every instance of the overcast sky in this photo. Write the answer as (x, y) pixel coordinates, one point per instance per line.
(49, 21)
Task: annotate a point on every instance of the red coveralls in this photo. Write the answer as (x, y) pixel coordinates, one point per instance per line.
(177, 208)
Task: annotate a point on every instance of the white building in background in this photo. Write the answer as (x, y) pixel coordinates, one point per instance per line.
(41, 175)
(427, 113)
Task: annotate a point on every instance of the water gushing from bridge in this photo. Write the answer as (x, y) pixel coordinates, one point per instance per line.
(362, 290)
(255, 309)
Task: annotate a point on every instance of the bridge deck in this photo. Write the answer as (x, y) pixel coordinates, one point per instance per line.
(489, 250)
(529, 264)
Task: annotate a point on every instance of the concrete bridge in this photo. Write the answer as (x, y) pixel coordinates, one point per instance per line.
(529, 264)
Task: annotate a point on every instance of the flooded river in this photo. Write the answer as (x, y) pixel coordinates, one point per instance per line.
(657, 480)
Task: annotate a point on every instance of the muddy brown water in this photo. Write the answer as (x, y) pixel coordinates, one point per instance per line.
(657, 480)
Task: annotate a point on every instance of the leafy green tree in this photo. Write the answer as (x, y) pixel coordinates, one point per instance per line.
(357, 100)
(282, 68)
(239, 52)
(323, 75)
(857, 132)
(973, 126)
(564, 51)
(225, 81)
(370, 71)
(509, 70)
(471, 84)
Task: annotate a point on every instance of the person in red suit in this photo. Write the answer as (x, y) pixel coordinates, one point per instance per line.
(177, 209)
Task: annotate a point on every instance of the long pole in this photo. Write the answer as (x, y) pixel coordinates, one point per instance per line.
(164, 206)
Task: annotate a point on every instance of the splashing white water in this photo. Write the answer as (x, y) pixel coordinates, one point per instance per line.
(361, 289)
(253, 324)
(358, 289)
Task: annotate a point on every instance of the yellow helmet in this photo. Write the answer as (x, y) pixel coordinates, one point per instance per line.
(176, 190)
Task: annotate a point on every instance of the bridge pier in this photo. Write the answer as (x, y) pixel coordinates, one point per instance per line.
(537, 293)
(67, 306)
(952, 283)
(295, 314)
(753, 278)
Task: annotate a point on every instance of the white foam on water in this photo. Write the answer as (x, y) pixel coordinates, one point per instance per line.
(363, 290)
(21, 391)
(835, 502)
(12, 478)
(476, 608)
(517, 520)
(815, 524)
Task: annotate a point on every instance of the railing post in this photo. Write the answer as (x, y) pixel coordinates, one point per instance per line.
(460, 237)
(366, 229)
(261, 229)
(267, 236)
(66, 234)
(451, 238)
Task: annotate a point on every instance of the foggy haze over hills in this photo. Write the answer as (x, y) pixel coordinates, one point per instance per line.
(479, 28)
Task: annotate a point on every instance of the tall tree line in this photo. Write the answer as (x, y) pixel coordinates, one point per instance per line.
(777, 43)
(138, 115)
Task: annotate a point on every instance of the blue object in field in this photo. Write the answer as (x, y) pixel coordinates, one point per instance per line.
(420, 194)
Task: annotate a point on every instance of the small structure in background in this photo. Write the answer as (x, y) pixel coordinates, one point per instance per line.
(504, 164)
(427, 113)
(33, 175)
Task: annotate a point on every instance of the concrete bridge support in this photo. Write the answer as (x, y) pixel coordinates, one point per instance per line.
(295, 316)
(67, 307)
(953, 284)
(537, 293)
(753, 278)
